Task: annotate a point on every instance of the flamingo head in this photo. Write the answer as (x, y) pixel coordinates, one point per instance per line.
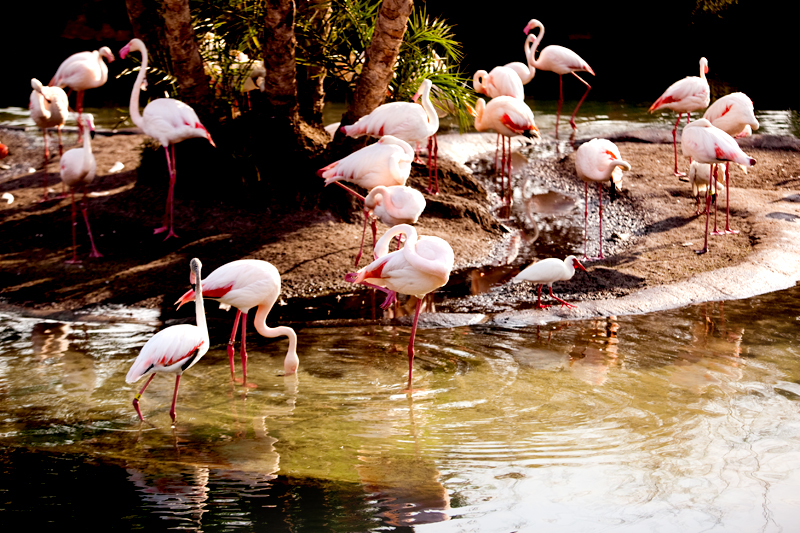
(533, 23)
(532, 133)
(124, 51)
(88, 121)
(106, 52)
(425, 85)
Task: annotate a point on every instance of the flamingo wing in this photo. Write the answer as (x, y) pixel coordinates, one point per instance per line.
(174, 350)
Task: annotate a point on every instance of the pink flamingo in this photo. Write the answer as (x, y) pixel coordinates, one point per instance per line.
(78, 167)
(173, 350)
(735, 115)
(407, 121)
(561, 61)
(509, 117)
(501, 81)
(386, 162)
(82, 71)
(684, 96)
(49, 108)
(548, 271)
(706, 143)
(598, 161)
(418, 268)
(525, 71)
(245, 284)
(166, 120)
(393, 205)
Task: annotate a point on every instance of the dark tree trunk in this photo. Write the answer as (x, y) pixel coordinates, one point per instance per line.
(279, 59)
(310, 79)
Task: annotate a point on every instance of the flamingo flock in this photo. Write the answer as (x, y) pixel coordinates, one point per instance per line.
(420, 264)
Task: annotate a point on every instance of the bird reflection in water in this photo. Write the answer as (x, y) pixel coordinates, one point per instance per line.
(49, 339)
(713, 357)
(406, 484)
(593, 357)
(179, 494)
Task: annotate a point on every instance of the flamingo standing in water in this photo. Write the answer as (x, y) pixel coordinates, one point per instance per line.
(407, 121)
(166, 120)
(561, 61)
(418, 268)
(78, 167)
(598, 161)
(706, 143)
(548, 271)
(245, 284)
(509, 117)
(735, 115)
(49, 108)
(684, 96)
(173, 350)
(82, 71)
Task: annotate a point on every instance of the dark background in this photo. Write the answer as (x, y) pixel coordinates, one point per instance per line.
(637, 49)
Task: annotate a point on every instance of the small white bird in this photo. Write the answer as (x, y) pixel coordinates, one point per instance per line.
(698, 177)
(548, 271)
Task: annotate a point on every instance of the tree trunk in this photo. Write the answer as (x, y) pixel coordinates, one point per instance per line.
(310, 79)
(279, 59)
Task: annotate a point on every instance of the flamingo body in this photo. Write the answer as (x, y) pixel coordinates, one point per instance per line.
(734, 114)
(84, 70)
(690, 94)
(501, 81)
(386, 162)
(396, 204)
(548, 271)
(173, 350)
(245, 284)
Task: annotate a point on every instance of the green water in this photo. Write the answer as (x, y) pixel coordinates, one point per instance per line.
(685, 420)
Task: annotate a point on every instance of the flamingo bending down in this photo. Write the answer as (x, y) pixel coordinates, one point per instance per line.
(501, 81)
(166, 120)
(509, 117)
(82, 71)
(420, 267)
(598, 161)
(561, 61)
(78, 167)
(49, 108)
(406, 121)
(548, 271)
(706, 143)
(175, 349)
(684, 96)
(245, 284)
(386, 162)
(734, 114)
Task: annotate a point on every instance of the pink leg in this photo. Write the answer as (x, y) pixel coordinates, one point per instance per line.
(433, 152)
(539, 303)
(708, 209)
(560, 100)
(727, 204)
(509, 193)
(363, 234)
(496, 150)
(139, 396)
(675, 144)
(585, 219)
(79, 109)
(588, 88)
(411, 342)
(232, 341)
(174, 397)
(243, 349)
(715, 199)
(60, 144)
(600, 216)
(94, 252)
(74, 259)
(46, 160)
(563, 303)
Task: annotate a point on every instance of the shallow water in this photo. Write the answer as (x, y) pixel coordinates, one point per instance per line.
(685, 420)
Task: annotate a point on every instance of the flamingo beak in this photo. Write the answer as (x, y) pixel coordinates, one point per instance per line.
(124, 51)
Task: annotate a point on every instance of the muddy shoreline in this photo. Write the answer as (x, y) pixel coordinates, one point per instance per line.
(650, 233)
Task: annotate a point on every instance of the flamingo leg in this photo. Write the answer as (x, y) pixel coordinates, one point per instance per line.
(727, 204)
(391, 296)
(585, 219)
(232, 341)
(600, 199)
(433, 148)
(363, 234)
(560, 100)
(675, 143)
(79, 109)
(174, 397)
(588, 88)
(74, 260)
(708, 208)
(171, 172)
(411, 342)
(243, 349)
(563, 303)
(714, 199)
(139, 396)
(509, 193)
(60, 144)
(94, 252)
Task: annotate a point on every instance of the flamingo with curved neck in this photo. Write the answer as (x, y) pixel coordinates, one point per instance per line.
(526, 71)
(166, 120)
(49, 108)
(420, 267)
(562, 61)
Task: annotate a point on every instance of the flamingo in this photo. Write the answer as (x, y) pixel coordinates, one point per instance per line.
(175, 349)
(386, 162)
(78, 167)
(82, 71)
(49, 108)
(393, 205)
(406, 121)
(561, 61)
(509, 117)
(501, 81)
(598, 161)
(166, 120)
(706, 143)
(684, 96)
(420, 267)
(245, 284)
(548, 271)
(734, 114)
(525, 71)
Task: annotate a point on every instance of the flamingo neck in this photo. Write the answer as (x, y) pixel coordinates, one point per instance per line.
(532, 61)
(480, 106)
(199, 309)
(136, 117)
(529, 52)
(433, 118)
(87, 148)
(291, 360)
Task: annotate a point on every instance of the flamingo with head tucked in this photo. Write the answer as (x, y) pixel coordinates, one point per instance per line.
(386, 162)
(49, 108)
(705, 143)
(245, 284)
(82, 71)
(684, 96)
(561, 61)
(735, 115)
(393, 205)
(598, 161)
(166, 120)
(421, 266)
